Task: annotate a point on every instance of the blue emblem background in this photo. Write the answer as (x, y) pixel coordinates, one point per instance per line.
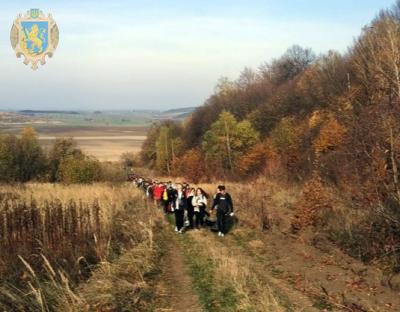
(43, 35)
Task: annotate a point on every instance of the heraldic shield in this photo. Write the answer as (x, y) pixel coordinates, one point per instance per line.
(34, 36)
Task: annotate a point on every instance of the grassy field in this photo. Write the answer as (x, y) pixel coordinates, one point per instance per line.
(105, 143)
(105, 136)
(90, 118)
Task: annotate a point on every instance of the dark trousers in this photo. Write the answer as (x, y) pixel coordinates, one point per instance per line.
(165, 205)
(221, 221)
(190, 215)
(202, 215)
(199, 216)
(197, 221)
(179, 214)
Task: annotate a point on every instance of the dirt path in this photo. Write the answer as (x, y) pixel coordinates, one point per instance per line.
(265, 271)
(176, 288)
(254, 283)
(323, 280)
(277, 273)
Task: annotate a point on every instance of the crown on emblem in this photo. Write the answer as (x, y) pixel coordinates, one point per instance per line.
(34, 13)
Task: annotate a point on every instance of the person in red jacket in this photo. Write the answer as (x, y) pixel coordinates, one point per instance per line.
(158, 191)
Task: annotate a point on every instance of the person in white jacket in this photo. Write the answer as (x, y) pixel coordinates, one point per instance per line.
(199, 203)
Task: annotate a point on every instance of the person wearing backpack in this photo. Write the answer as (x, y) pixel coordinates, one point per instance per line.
(224, 205)
(180, 205)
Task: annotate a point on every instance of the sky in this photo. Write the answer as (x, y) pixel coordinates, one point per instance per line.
(147, 54)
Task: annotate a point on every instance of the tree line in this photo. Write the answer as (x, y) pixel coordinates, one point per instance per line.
(23, 159)
(297, 115)
(326, 121)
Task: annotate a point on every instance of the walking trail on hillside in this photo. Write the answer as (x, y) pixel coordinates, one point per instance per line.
(175, 290)
(249, 270)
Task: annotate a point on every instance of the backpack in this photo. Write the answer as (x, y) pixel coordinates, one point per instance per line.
(165, 195)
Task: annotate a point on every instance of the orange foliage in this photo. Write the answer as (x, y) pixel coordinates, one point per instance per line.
(314, 201)
(273, 167)
(330, 136)
(191, 166)
(254, 161)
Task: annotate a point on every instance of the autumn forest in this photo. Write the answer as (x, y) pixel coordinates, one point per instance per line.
(328, 122)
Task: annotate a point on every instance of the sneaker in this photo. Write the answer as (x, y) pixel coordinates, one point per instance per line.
(222, 234)
(180, 231)
(219, 233)
(176, 229)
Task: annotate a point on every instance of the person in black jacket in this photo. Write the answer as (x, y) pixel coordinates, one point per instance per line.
(224, 205)
(180, 205)
(171, 192)
(190, 208)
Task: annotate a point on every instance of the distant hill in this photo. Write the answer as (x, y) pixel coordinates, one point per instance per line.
(7, 118)
(41, 112)
(174, 114)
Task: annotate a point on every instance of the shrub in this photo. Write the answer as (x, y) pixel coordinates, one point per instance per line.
(61, 149)
(191, 166)
(330, 136)
(130, 160)
(112, 172)
(21, 158)
(312, 205)
(79, 169)
(254, 161)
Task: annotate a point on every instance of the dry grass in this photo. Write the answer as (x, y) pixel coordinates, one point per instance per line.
(54, 236)
(253, 293)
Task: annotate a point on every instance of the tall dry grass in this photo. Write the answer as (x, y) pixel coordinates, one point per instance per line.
(52, 237)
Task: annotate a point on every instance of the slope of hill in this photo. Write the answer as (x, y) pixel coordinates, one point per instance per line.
(327, 124)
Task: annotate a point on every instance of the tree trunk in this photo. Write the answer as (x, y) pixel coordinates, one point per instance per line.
(228, 145)
(394, 165)
(167, 154)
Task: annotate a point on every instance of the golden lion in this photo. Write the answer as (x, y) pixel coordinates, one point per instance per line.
(33, 36)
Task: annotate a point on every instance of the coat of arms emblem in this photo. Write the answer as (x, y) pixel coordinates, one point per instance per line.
(34, 36)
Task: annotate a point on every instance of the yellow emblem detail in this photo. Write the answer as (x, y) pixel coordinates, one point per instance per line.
(33, 36)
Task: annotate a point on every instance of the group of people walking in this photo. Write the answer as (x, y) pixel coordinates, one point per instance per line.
(191, 206)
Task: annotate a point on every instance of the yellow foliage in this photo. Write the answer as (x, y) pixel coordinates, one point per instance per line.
(315, 119)
(286, 135)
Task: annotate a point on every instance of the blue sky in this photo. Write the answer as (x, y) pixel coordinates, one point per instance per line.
(164, 54)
